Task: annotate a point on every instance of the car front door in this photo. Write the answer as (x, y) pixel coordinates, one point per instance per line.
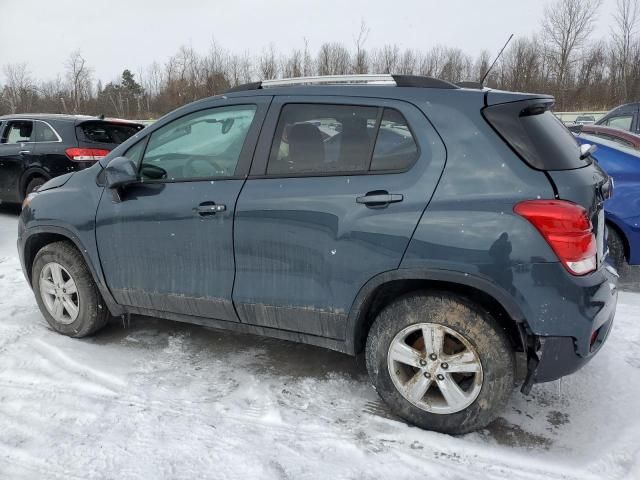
(335, 192)
(166, 243)
(15, 150)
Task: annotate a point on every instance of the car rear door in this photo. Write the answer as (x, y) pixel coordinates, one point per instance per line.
(16, 148)
(166, 243)
(332, 200)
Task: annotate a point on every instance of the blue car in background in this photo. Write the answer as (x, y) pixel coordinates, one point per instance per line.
(622, 210)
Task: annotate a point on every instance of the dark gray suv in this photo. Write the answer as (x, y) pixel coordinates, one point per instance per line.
(442, 231)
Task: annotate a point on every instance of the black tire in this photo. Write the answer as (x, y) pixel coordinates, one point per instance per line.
(469, 320)
(33, 184)
(616, 248)
(92, 312)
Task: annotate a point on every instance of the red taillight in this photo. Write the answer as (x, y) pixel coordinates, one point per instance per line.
(566, 228)
(86, 154)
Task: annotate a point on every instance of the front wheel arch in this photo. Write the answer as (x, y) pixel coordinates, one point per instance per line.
(625, 241)
(43, 236)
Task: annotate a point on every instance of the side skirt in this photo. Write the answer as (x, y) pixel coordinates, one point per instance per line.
(331, 344)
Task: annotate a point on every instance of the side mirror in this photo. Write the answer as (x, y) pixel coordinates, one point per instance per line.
(121, 172)
(586, 150)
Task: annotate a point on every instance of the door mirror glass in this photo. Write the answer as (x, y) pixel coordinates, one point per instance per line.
(121, 172)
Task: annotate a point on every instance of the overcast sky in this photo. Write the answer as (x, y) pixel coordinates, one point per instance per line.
(117, 34)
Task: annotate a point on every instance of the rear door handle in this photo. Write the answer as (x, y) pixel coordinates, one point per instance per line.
(24, 152)
(379, 199)
(209, 208)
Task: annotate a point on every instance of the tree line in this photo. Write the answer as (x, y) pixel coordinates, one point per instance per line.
(562, 58)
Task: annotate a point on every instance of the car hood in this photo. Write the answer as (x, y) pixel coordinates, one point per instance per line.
(56, 182)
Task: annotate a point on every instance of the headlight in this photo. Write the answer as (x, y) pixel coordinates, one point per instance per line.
(27, 200)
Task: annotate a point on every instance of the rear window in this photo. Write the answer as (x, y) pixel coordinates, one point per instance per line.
(105, 132)
(536, 135)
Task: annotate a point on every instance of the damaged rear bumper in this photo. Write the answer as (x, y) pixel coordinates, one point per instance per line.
(553, 357)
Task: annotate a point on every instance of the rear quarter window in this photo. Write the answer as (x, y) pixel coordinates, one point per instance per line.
(536, 135)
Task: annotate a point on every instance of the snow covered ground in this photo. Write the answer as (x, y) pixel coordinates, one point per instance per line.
(166, 400)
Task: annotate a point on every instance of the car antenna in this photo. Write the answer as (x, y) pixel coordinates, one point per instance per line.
(101, 116)
(494, 62)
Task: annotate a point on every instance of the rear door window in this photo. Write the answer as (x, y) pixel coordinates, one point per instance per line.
(317, 139)
(320, 138)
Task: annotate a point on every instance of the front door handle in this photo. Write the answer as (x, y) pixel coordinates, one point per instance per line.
(379, 199)
(209, 208)
(24, 152)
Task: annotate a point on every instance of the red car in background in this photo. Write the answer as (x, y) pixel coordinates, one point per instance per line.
(622, 137)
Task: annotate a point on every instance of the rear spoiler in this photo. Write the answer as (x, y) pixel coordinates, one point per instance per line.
(495, 97)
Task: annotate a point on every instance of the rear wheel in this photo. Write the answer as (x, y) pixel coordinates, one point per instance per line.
(440, 362)
(33, 184)
(65, 291)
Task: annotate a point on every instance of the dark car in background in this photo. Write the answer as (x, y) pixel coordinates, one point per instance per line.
(36, 147)
(442, 231)
(625, 117)
(585, 119)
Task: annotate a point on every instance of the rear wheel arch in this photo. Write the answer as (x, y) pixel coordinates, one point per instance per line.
(28, 176)
(383, 289)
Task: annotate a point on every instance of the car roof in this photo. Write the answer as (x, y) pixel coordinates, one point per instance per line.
(60, 117)
(47, 116)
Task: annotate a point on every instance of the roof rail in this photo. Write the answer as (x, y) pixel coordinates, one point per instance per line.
(365, 79)
(384, 79)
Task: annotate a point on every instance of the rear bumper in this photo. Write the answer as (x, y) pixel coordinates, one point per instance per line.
(561, 356)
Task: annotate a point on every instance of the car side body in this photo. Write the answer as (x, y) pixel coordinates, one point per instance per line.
(316, 257)
(623, 208)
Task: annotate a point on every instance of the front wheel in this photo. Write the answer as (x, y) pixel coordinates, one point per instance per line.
(441, 362)
(616, 248)
(65, 291)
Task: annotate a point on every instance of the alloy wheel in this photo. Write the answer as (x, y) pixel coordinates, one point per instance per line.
(435, 368)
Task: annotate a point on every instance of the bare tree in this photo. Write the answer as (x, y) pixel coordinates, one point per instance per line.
(268, 64)
(386, 60)
(18, 91)
(407, 63)
(333, 59)
(79, 78)
(292, 65)
(360, 61)
(567, 25)
(626, 22)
